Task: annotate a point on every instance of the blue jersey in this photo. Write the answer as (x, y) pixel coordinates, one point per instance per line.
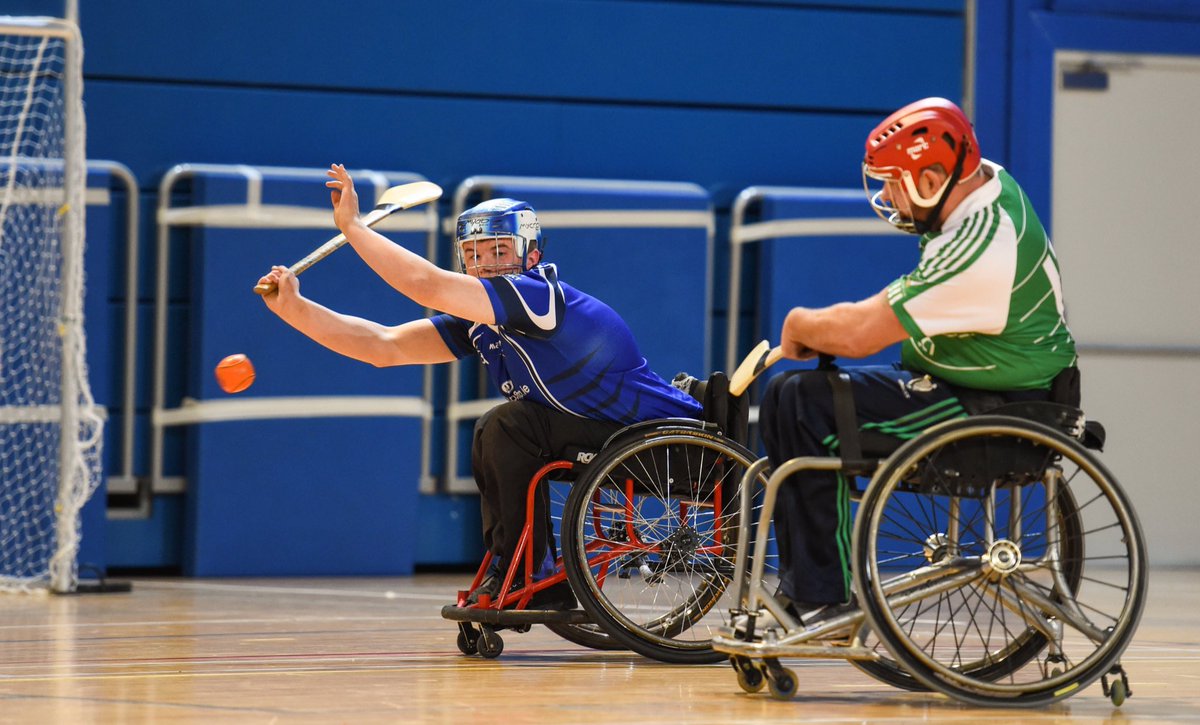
(564, 349)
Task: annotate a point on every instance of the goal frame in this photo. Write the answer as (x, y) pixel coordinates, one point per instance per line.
(63, 568)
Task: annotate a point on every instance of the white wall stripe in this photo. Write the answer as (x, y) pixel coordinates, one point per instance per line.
(349, 406)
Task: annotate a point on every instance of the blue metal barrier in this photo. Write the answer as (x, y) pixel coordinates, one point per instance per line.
(315, 468)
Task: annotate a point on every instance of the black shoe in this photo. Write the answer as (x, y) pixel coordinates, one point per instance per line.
(490, 586)
(809, 613)
(558, 598)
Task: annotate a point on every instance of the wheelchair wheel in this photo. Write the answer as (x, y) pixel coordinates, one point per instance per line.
(1022, 649)
(585, 635)
(649, 539)
(999, 562)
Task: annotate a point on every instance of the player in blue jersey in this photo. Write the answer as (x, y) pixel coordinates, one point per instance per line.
(567, 363)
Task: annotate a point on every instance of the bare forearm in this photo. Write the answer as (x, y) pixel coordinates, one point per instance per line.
(847, 329)
(347, 335)
(819, 330)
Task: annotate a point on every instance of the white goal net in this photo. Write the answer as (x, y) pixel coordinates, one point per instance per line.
(50, 428)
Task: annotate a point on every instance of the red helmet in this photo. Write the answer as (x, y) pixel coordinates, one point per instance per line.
(923, 133)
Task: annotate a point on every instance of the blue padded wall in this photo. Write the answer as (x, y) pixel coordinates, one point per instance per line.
(320, 495)
(723, 94)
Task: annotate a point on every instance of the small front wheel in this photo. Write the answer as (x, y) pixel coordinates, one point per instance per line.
(783, 683)
(490, 644)
(749, 676)
(1117, 693)
(467, 639)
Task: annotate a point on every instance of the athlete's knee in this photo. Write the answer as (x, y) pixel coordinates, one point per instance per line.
(787, 393)
(512, 422)
(776, 394)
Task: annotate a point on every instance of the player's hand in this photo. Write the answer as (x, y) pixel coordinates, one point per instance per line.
(795, 350)
(343, 196)
(286, 291)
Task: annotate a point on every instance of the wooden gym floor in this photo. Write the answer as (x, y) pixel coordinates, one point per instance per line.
(376, 650)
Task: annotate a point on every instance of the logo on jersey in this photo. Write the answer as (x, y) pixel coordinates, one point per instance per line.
(512, 392)
(548, 320)
(920, 147)
(584, 457)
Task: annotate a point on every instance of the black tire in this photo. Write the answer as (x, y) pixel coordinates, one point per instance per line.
(467, 643)
(490, 644)
(585, 635)
(647, 549)
(979, 637)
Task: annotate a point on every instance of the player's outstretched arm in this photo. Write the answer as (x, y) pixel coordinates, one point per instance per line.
(409, 274)
(411, 343)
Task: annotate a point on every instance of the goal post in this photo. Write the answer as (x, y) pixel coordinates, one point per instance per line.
(50, 426)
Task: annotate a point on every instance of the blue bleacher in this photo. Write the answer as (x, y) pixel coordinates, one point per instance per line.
(315, 468)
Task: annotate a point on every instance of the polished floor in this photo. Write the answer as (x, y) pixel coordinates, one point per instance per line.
(377, 650)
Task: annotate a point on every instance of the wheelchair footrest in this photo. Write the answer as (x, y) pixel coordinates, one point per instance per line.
(728, 643)
(509, 617)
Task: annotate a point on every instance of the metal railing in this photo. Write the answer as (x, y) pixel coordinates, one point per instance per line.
(255, 214)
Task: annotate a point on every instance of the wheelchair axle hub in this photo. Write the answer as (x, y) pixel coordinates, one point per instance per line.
(938, 548)
(678, 547)
(1002, 558)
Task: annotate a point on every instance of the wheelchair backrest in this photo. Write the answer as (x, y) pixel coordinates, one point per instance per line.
(731, 413)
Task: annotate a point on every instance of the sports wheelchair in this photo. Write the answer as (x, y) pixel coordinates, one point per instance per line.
(995, 560)
(648, 530)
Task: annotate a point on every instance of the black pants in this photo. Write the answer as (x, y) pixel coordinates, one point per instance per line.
(812, 511)
(512, 441)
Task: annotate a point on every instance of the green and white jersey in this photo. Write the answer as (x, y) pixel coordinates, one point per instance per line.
(984, 307)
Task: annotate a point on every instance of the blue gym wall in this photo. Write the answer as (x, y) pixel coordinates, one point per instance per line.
(724, 94)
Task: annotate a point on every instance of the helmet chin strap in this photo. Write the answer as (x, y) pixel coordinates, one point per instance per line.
(924, 226)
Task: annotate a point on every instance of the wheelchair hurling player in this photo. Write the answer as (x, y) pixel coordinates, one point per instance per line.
(648, 526)
(992, 557)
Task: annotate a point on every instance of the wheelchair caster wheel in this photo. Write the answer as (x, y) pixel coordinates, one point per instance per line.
(1118, 690)
(490, 644)
(780, 681)
(1117, 693)
(467, 640)
(749, 677)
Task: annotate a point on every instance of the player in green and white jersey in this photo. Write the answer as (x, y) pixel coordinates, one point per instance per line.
(983, 310)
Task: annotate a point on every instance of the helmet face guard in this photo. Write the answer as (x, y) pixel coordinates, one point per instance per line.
(495, 222)
(929, 132)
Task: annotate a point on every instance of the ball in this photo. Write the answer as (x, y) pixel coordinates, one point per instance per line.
(235, 373)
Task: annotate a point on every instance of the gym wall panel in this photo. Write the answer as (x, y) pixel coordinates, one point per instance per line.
(103, 257)
(722, 94)
(317, 492)
(625, 52)
(723, 150)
